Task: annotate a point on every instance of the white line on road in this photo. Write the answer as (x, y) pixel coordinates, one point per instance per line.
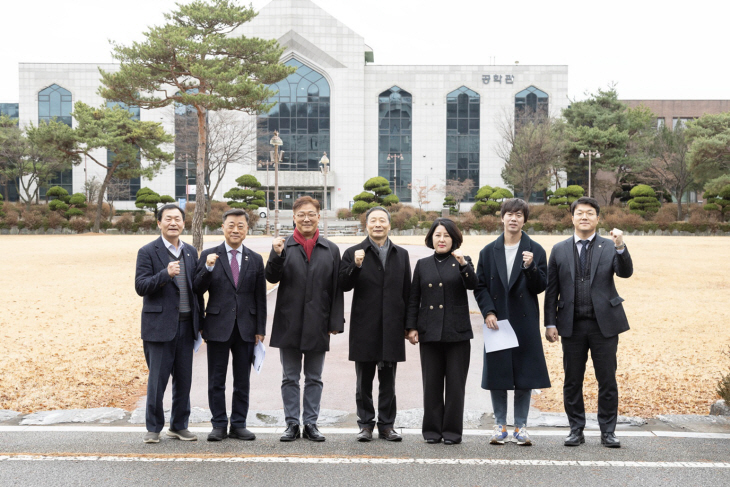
(363, 461)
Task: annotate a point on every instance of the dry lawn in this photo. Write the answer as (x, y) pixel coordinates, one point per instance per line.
(70, 324)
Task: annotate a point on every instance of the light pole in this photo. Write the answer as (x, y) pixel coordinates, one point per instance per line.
(276, 142)
(324, 166)
(394, 158)
(589, 153)
(268, 190)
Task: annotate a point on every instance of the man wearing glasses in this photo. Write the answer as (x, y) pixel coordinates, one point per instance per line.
(584, 308)
(309, 308)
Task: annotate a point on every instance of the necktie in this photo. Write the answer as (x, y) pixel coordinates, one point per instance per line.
(234, 267)
(583, 257)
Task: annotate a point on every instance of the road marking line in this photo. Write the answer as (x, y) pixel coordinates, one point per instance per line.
(362, 461)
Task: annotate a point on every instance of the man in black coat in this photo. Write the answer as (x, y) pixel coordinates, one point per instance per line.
(380, 273)
(235, 321)
(584, 308)
(309, 308)
(170, 323)
(512, 271)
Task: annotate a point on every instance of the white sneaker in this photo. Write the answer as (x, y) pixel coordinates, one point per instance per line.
(521, 437)
(499, 436)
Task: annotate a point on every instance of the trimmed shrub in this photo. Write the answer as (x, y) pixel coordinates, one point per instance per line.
(79, 225)
(344, 213)
(490, 223)
(626, 222)
(33, 219)
(467, 221)
(643, 200)
(54, 220)
(124, 223)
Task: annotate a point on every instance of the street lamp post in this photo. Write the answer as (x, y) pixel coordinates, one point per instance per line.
(589, 154)
(268, 198)
(324, 166)
(394, 158)
(276, 142)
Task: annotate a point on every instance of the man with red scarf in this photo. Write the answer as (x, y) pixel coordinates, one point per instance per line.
(309, 308)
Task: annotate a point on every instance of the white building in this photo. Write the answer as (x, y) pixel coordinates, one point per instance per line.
(410, 124)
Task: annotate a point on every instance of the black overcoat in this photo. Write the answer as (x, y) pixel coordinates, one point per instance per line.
(379, 302)
(309, 302)
(523, 367)
(440, 301)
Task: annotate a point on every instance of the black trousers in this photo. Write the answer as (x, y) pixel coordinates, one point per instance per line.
(165, 359)
(444, 366)
(587, 336)
(218, 353)
(386, 395)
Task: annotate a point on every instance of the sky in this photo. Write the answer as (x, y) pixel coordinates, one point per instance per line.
(649, 50)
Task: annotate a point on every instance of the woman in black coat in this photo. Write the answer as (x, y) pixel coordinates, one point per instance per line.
(512, 271)
(438, 319)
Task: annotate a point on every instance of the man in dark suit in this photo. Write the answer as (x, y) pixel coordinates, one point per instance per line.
(170, 322)
(380, 273)
(235, 321)
(584, 308)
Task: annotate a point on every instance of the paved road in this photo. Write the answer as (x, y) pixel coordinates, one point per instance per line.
(339, 372)
(113, 458)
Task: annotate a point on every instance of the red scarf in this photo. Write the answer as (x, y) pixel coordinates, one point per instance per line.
(307, 244)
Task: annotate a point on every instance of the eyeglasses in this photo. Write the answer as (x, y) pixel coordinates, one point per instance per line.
(311, 215)
(586, 213)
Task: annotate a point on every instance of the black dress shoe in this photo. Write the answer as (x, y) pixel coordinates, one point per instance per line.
(609, 440)
(365, 434)
(218, 434)
(291, 433)
(311, 432)
(575, 438)
(433, 441)
(452, 442)
(389, 435)
(241, 434)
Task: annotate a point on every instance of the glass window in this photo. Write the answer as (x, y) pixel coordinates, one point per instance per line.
(462, 136)
(394, 147)
(186, 149)
(120, 189)
(530, 104)
(302, 108)
(55, 103)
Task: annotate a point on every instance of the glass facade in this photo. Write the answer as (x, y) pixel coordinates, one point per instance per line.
(6, 186)
(302, 117)
(55, 103)
(186, 150)
(462, 137)
(530, 104)
(395, 152)
(287, 196)
(122, 189)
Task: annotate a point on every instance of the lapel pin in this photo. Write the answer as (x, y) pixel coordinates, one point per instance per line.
(246, 258)
(599, 246)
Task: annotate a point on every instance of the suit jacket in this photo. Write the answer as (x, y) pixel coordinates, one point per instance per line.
(523, 367)
(244, 304)
(160, 293)
(560, 293)
(379, 303)
(309, 302)
(440, 301)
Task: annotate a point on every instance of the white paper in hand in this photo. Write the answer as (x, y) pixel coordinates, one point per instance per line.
(197, 343)
(259, 352)
(500, 339)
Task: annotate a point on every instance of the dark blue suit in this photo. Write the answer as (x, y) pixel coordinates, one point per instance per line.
(168, 343)
(234, 316)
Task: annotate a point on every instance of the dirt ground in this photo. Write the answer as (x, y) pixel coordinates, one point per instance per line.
(69, 319)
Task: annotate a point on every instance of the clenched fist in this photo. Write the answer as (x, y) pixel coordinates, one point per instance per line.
(173, 268)
(278, 245)
(210, 260)
(527, 258)
(459, 257)
(359, 256)
(618, 237)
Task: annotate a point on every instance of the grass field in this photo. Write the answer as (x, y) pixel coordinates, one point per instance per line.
(69, 334)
